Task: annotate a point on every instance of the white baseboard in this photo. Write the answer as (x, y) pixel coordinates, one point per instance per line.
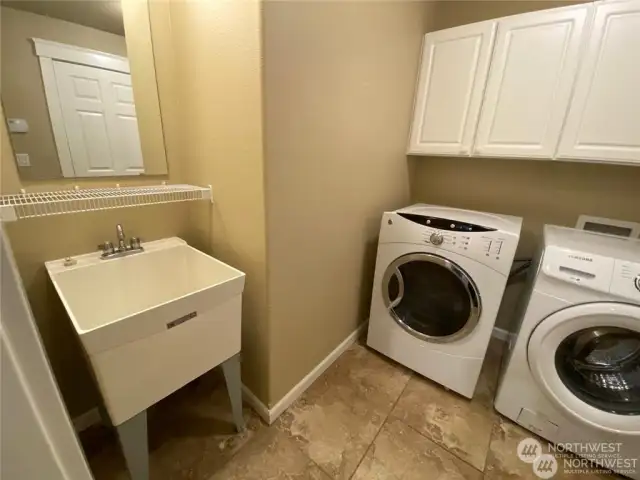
(501, 334)
(270, 415)
(87, 419)
(255, 403)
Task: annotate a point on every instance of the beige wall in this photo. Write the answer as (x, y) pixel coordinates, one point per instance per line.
(539, 191)
(339, 80)
(22, 89)
(35, 241)
(218, 88)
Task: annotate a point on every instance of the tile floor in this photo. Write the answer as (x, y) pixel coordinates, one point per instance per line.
(366, 417)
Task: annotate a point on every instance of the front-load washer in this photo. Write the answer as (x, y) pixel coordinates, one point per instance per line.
(573, 372)
(439, 279)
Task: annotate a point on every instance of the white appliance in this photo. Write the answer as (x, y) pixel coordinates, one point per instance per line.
(439, 279)
(573, 372)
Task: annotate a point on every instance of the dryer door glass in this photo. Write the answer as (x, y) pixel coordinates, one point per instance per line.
(601, 366)
(431, 297)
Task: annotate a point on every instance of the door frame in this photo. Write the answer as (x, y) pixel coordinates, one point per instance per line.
(544, 341)
(48, 51)
(47, 435)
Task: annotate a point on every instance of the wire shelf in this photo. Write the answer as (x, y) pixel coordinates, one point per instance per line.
(43, 204)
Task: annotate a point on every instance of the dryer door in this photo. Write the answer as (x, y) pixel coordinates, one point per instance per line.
(431, 297)
(586, 359)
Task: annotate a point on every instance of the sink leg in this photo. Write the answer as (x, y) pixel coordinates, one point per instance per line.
(133, 440)
(231, 369)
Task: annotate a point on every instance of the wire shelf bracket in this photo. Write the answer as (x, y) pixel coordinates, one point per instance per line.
(42, 204)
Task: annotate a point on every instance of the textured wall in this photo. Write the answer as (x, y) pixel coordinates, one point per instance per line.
(338, 82)
(219, 93)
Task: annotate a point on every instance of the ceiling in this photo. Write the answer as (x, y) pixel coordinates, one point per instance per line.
(105, 15)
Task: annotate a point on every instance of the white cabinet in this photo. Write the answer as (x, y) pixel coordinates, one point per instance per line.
(452, 77)
(533, 68)
(603, 123)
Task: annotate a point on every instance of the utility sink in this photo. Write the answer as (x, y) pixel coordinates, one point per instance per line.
(150, 322)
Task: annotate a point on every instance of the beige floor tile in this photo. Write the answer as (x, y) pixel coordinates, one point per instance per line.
(366, 372)
(336, 420)
(503, 462)
(460, 425)
(399, 452)
(272, 455)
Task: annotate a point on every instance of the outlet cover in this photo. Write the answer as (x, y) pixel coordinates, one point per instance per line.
(23, 159)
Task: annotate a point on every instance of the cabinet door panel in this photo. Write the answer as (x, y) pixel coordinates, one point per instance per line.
(534, 65)
(604, 119)
(453, 72)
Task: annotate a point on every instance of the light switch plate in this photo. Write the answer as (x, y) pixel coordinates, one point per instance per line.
(18, 125)
(23, 159)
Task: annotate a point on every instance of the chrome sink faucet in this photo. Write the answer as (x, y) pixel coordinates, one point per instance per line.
(121, 243)
(122, 250)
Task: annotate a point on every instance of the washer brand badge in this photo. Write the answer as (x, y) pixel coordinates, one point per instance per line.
(181, 320)
(581, 258)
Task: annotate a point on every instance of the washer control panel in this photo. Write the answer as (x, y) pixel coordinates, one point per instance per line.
(491, 246)
(626, 279)
(605, 274)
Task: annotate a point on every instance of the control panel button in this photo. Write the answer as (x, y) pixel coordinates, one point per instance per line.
(637, 283)
(436, 238)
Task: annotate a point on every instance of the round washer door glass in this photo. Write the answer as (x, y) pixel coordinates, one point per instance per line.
(601, 366)
(431, 297)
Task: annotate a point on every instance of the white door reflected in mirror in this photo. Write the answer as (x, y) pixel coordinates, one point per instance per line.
(76, 92)
(95, 127)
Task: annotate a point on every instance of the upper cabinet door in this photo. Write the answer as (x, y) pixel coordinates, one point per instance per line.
(604, 118)
(534, 65)
(452, 77)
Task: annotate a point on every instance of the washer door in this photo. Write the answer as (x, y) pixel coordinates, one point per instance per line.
(586, 359)
(431, 297)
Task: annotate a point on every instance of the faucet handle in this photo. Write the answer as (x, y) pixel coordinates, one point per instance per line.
(134, 243)
(106, 247)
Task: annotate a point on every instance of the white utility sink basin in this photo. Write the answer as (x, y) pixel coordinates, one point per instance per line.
(151, 322)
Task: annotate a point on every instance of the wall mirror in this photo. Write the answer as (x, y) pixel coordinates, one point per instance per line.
(79, 88)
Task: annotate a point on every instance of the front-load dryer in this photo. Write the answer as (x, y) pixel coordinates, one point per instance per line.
(573, 372)
(439, 279)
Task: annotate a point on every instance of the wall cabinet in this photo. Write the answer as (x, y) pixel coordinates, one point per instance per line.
(453, 73)
(534, 64)
(604, 119)
(551, 84)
